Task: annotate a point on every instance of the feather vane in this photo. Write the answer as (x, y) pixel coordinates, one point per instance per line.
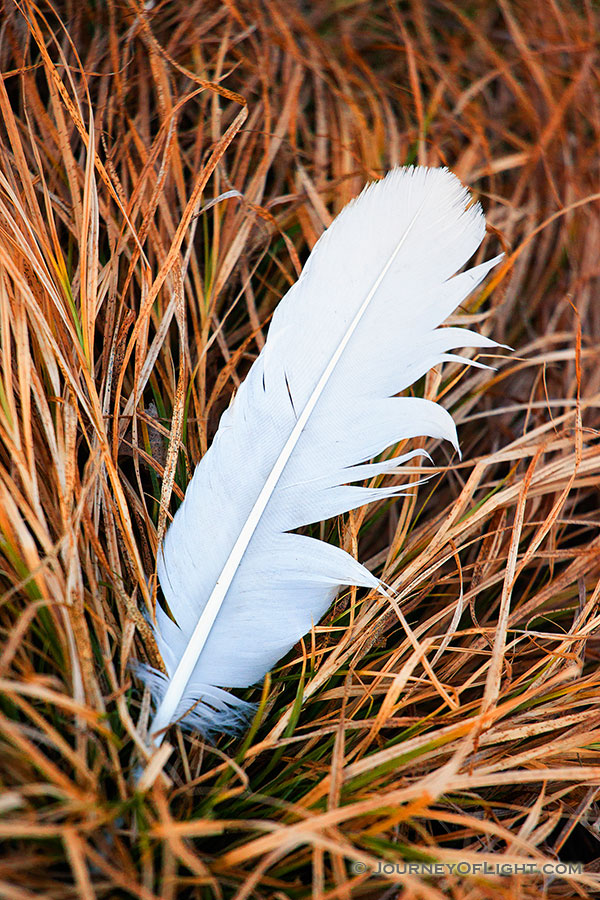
(359, 326)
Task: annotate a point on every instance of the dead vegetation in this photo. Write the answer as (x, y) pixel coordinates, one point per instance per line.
(164, 170)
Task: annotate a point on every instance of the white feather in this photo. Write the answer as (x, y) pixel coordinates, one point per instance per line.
(358, 327)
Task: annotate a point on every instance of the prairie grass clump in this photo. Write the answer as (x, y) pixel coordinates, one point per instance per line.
(164, 171)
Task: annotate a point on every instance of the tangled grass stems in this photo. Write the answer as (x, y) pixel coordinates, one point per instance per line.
(163, 173)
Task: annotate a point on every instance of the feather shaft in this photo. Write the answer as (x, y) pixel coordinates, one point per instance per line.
(201, 632)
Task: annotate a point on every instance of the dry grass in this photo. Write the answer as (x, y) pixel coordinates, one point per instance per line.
(135, 289)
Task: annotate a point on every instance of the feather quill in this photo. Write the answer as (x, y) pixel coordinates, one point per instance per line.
(358, 327)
